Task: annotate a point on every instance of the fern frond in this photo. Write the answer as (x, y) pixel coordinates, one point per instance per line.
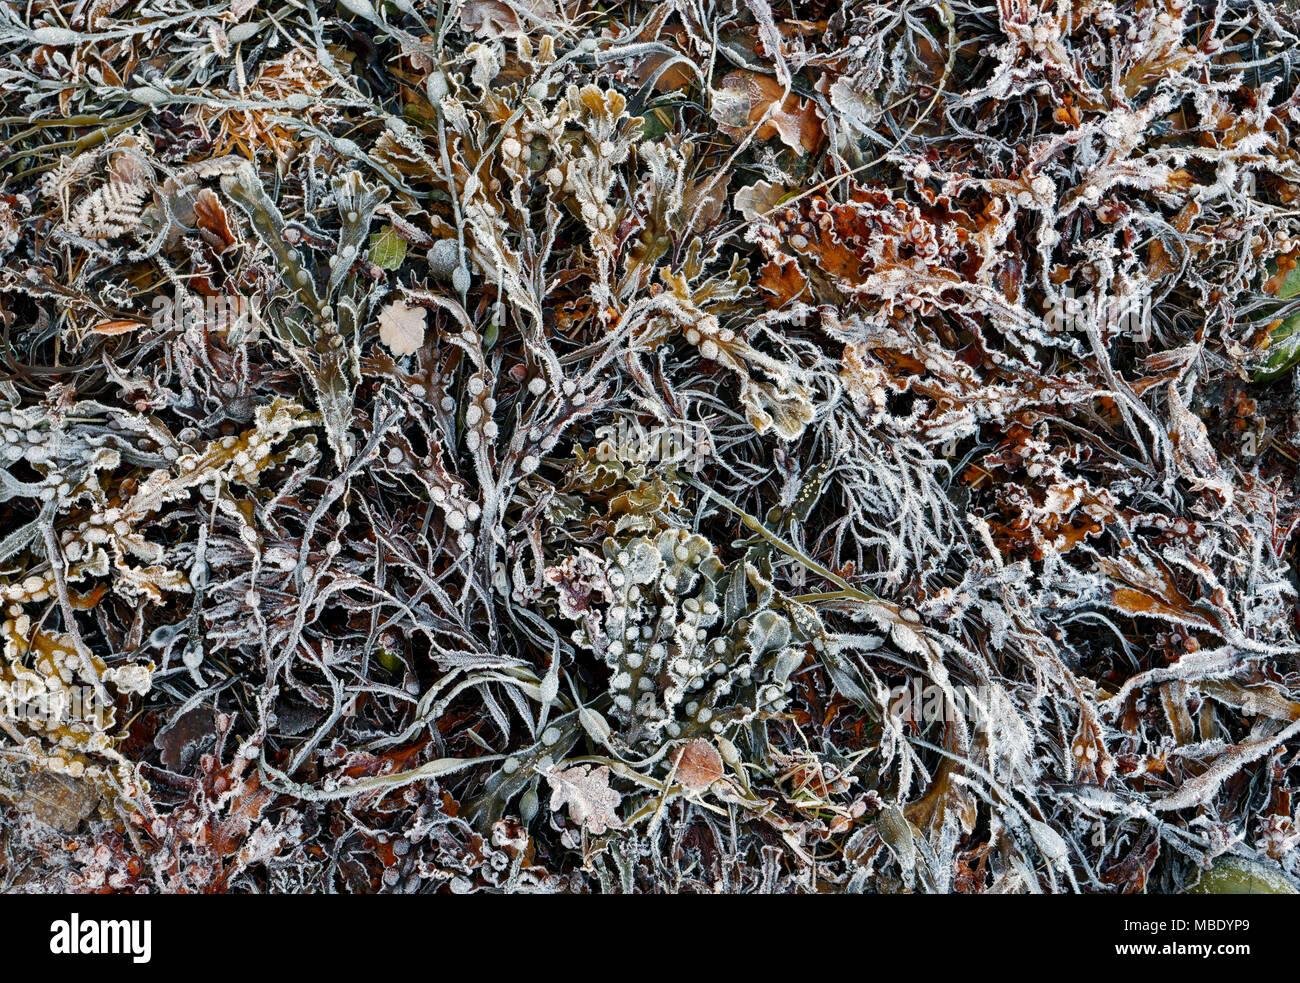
(109, 211)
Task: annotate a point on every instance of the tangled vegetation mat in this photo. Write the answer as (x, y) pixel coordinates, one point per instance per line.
(712, 445)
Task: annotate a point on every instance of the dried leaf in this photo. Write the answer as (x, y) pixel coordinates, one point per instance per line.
(592, 803)
(401, 327)
(698, 764)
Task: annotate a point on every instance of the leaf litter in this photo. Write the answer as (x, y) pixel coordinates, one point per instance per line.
(533, 445)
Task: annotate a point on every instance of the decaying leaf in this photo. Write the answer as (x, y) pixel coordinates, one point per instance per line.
(746, 100)
(401, 327)
(591, 802)
(698, 764)
(61, 801)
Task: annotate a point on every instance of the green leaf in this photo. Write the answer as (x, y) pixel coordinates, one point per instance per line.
(1284, 348)
(654, 126)
(387, 248)
(1290, 286)
(1236, 875)
(1284, 340)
